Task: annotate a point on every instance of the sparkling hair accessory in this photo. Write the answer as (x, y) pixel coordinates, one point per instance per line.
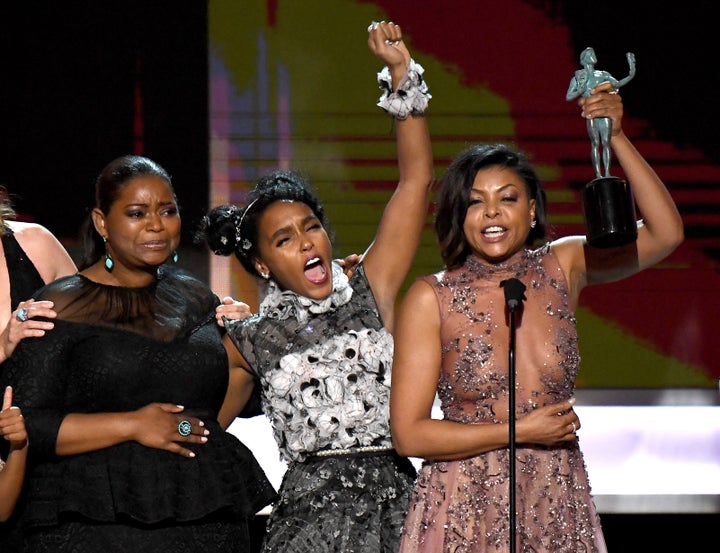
(411, 96)
(244, 244)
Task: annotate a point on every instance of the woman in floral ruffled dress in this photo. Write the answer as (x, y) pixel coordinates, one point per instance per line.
(320, 349)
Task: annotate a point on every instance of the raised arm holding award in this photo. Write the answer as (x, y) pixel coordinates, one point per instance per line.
(608, 203)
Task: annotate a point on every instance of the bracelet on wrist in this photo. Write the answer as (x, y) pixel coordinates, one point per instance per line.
(410, 97)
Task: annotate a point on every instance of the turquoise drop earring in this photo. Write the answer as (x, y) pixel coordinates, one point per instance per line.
(109, 263)
(175, 256)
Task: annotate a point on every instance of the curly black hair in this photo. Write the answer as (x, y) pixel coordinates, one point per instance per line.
(229, 229)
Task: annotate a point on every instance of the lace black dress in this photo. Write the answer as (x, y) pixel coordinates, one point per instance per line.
(115, 350)
(324, 367)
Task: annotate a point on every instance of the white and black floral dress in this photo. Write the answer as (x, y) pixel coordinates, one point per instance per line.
(324, 369)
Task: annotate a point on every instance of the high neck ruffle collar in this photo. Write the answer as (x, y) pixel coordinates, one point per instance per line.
(514, 265)
(283, 304)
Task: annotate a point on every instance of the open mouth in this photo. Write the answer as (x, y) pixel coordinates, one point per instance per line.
(493, 232)
(315, 270)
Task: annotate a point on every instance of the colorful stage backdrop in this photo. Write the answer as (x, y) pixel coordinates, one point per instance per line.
(292, 84)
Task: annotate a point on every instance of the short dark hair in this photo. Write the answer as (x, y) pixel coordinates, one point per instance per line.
(454, 196)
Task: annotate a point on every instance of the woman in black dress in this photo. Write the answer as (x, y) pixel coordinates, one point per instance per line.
(121, 398)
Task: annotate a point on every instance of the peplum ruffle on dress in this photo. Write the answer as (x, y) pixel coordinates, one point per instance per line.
(116, 350)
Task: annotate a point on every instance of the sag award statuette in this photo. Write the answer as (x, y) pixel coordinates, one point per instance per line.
(608, 203)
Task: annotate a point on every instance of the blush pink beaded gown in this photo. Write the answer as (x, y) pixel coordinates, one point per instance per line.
(462, 506)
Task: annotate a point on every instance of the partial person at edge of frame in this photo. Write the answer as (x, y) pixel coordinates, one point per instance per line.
(31, 256)
(12, 471)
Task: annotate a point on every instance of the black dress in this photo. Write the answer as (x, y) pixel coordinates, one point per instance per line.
(117, 349)
(24, 277)
(24, 282)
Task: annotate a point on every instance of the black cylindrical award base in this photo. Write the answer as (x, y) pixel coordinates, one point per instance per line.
(609, 209)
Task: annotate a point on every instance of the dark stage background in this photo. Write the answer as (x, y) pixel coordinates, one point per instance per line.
(84, 82)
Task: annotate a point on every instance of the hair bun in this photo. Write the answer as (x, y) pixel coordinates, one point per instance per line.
(219, 229)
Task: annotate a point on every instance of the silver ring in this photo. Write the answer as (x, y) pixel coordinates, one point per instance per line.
(184, 428)
(574, 427)
(22, 315)
(373, 25)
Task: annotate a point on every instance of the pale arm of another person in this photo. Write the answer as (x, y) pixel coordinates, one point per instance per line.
(44, 250)
(52, 261)
(16, 330)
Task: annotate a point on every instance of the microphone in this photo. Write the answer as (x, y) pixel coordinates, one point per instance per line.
(514, 292)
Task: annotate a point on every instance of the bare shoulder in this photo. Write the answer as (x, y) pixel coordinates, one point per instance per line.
(421, 289)
(569, 251)
(570, 254)
(419, 299)
(27, 229)
(45, 251)
(32, 236)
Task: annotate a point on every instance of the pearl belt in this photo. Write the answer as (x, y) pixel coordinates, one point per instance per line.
(352, 451)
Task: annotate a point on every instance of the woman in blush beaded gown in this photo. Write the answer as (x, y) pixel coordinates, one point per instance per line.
(452, 339)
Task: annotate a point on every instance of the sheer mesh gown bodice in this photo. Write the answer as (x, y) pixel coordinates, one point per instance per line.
(115, 350)
(462, 506)
(324, 367)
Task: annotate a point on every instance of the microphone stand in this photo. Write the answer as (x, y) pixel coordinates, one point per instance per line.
(511, 420)
(514, 294)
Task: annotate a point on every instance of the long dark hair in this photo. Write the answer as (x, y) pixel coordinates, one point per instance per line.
(108, 186)
(454, 196)
(228, 229)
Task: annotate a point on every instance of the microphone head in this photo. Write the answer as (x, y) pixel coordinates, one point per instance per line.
(514, 292)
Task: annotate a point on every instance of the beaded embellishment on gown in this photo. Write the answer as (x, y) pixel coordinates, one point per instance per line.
(462, 506)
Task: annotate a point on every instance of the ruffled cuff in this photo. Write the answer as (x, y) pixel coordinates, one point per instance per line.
(411, 95)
